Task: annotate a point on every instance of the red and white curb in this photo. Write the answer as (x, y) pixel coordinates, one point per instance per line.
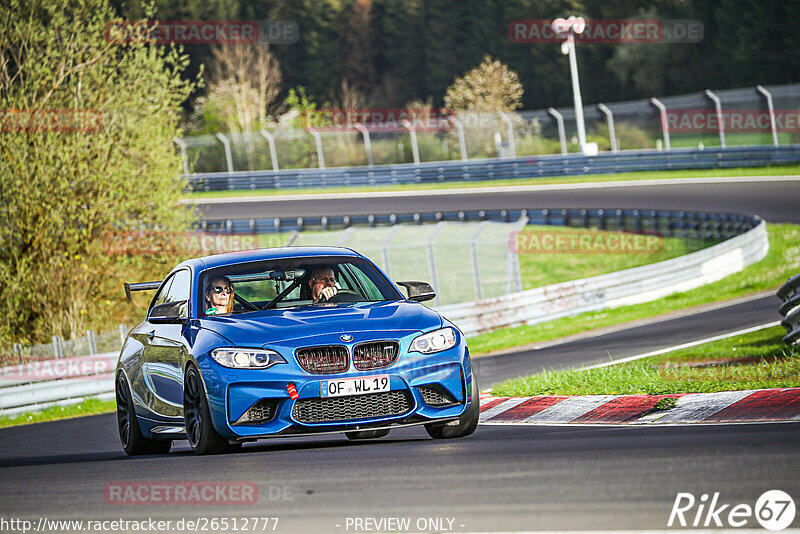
(761, 405)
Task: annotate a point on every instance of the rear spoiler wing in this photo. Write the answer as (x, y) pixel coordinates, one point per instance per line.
(140, 286)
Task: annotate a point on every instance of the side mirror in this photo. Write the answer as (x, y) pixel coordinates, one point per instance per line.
(169, 312)
(419, 291)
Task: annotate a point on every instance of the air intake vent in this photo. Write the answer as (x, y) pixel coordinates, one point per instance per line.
(322, 360)
(437, 397)
(260, 412)
(368, 406)
(374, 355)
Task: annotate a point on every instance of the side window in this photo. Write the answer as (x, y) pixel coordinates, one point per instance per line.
(180, 290)
(161, 296)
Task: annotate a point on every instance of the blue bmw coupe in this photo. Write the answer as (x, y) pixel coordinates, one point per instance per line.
(286, 342)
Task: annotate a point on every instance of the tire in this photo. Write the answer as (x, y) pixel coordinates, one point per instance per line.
(466, 423)
(130, 435)
(200, 431)
(367, 434)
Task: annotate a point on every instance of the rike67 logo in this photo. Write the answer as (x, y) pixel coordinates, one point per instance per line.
(774, 510)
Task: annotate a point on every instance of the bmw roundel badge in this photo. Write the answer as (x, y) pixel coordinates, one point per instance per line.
(346, 337)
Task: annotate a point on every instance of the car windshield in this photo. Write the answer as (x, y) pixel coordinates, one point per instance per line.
(289, 283)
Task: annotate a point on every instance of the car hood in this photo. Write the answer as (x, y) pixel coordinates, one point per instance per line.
(307, 321)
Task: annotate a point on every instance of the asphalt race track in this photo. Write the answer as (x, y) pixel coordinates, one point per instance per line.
(775, 201)
(501, 478)
(627, 342)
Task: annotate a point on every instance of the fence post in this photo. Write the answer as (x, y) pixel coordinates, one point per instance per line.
(562, 136)
(385, 250)
(611, 134)
(92, 342)
(662, 110)
(462, 144)
(123, 333)
(318, 142)
(273, 154)
(18, 351)
(57, 348)
(228, 157)
(367, 144)
(182, 145)
(414, 147)
(474, 253)
(718, 105)
(771, 113)
(512, 147)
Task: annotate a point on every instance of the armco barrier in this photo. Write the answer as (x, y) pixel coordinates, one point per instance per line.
(631, 286)
(498, 169)
(37, 384)
(789, 293)
(19, 392)
(667, 223)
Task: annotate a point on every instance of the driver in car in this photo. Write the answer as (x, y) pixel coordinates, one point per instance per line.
(323, 284)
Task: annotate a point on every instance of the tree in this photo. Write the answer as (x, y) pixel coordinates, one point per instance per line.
(245, 83)
(88, 153)
(489, 87)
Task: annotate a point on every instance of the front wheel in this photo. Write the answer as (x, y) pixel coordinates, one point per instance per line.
(200, 431)
(465, 424)
(130, 435)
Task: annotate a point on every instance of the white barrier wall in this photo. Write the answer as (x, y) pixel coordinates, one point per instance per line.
(631, 286)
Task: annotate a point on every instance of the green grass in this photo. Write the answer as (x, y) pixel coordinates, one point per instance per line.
(781, 262)
(460, 184)
(752, 361)
(53, 413)
(541, 269)
(538, 269)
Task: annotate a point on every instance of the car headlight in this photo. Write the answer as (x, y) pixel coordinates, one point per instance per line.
(435, 341)
(240, 358)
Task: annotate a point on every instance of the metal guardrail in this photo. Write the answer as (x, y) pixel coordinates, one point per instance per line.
(37, 384)
(667, 223)
(789, 293)
(498, 169)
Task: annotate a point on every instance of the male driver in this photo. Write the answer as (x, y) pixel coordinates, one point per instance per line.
(323, 283)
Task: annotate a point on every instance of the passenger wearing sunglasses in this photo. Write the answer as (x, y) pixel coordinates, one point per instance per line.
(219, 296)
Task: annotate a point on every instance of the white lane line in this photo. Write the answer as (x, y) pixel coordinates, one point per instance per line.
(499, 189)
(682, 346)
(569, 409)
(696, 407)
(502, 407)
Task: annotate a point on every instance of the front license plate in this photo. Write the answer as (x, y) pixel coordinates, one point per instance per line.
(354, 386)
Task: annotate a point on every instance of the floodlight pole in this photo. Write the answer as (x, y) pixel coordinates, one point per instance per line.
(567, 29)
